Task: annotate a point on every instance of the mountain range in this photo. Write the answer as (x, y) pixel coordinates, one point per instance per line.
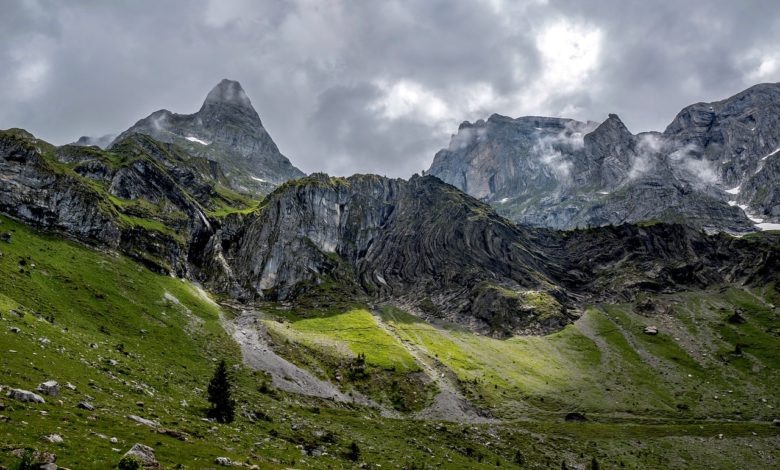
(547, 281)
(709, 168)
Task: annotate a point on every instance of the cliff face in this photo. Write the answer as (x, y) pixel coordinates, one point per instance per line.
(563, 174)
(227, 130)
(145, 198)
(428, 246)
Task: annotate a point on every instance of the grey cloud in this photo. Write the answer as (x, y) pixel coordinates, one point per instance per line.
(354, 86)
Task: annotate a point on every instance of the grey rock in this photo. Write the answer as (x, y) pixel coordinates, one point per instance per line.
(427, 246)
(143, 453)
(54, 438)
(565, 174)
(650, 330)
(86, 406)
(50, 387)
(223, 461)
(144, 421)
(228, 130)
(25, 396)
(14, 329)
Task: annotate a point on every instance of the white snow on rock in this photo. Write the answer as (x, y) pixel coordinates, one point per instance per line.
(733, 190)
(768, 226)
(604, 193)
(732, 203)
(196, 140)
(776, 150)
(503, 200)
(258, 179)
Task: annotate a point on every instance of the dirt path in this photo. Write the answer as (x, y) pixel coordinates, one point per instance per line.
(449, 404)
(248, 331)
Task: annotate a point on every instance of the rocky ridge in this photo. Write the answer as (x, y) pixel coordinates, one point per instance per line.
(710, 167)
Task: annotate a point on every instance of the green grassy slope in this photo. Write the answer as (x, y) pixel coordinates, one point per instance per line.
(123, 335)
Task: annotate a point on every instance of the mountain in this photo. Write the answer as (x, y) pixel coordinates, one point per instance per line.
(102, 142)
(420, 243)
(227, 130)
(375, 321)
(561, 173)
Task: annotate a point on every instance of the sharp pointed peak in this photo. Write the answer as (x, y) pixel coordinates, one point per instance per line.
(229, 92)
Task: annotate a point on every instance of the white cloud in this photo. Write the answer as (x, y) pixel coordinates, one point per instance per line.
(406, 98)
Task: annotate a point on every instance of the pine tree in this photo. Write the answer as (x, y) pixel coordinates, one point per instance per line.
(222, 404)
(354, 452)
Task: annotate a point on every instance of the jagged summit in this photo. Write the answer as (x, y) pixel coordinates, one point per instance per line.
(710, 166)
(227, 130)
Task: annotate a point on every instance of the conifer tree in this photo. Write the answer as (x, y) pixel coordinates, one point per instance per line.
(220, 395)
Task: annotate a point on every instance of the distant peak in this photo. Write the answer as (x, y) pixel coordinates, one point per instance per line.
(230, 92)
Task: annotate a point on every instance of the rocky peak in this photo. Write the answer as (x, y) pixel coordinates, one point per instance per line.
(228, 92)
(227, 130)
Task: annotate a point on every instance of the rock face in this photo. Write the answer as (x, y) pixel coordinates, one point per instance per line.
(426, 245)
(227, 130)
(715, 166)
(143, 197)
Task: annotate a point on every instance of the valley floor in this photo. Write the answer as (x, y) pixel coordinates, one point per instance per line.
(702, 393)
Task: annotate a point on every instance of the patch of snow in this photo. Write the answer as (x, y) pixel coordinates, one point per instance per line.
(196, 140)
(732, 203)
(503, 200)
(743, 207)
(604, 193)
(776, 150)
(258, 179)
(754, 219)
(733, 190)
(768, 226)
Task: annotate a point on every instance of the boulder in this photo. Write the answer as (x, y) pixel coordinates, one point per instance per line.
(651, 330)
(14, 329)
(54, 438)
(224, 461)
(144, 421)
(776, 422)
(6, 237)
(86, 406)
(50, 387)
(143, 453)
(25, 395)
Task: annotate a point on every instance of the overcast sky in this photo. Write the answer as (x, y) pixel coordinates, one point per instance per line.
(368, 86)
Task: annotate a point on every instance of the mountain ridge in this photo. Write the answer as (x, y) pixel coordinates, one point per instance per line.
(540, 172)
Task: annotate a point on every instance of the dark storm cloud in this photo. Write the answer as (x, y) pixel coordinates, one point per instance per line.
(356, 86)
